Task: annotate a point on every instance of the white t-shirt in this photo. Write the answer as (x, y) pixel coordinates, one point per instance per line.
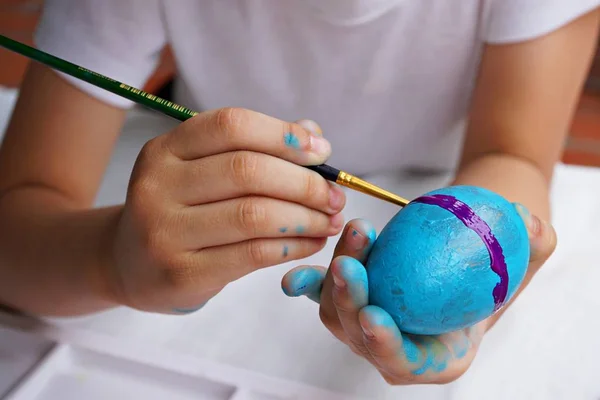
(390, 81)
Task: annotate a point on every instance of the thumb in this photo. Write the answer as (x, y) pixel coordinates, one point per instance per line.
(542, 236)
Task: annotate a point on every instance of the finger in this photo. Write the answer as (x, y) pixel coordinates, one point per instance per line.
(232, 129)
(246, 218)
(542, 236)
(410, 358)
(215, 267)
(244, 173)
(350, 294)
(385, 343)
(304, 281)
(359, 237)
(356, 242)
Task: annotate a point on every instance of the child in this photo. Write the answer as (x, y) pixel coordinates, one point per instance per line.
(390, 81)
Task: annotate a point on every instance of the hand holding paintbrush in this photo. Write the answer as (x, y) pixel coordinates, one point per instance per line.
(218, 197)
(222, 193)
(179, 112)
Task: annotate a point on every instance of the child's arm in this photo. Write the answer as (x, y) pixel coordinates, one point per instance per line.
(522, 109)
(523, 105)
(218, 197)
(51, 163)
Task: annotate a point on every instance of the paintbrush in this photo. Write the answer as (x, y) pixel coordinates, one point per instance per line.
(180, 113)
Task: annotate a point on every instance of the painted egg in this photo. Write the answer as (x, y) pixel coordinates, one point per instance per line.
(448, 260)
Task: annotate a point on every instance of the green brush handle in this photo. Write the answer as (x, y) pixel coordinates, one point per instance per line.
(176, 111)
(137, 96)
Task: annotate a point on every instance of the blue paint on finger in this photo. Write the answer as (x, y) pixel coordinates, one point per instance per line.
(412, 352)
(286, 251)
(461, 346)
(361, 238)
(304, 282)
(291, 141)
(434, 354)
(423, 353)
(372, 235)
(300, 229)
(379, 317)
(355, 275)
(283, 229)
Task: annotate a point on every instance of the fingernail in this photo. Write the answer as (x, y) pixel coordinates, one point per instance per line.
(337, 221)
(532, 222)
(311, 126)
(337, 281)
(320, 146)
(336, 197)
(367, 332)
(355, 239)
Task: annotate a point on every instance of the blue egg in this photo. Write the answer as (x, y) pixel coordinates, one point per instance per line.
(448, 260)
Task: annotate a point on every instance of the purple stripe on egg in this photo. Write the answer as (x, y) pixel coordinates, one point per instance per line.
(479, 226)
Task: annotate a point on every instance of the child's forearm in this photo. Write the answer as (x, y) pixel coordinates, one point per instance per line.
(54, 258)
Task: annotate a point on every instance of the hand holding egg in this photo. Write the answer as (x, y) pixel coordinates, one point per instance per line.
(420, 308)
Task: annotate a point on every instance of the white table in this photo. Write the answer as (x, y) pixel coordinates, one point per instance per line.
(545, 346)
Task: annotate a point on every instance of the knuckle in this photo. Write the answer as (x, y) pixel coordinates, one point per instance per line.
(147, 176)
(359, 349)
(157, 235)
(161, 258)
(179, 275)
(341, 302)
(257, 253)
(142, 189)
(157, 248)
(251, 216)
(313, 187)
(150, 149)
(192, 272)
(229, 121)
(294, 128)
(244, 168)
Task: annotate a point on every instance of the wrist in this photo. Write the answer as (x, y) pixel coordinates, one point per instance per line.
(104, 277)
